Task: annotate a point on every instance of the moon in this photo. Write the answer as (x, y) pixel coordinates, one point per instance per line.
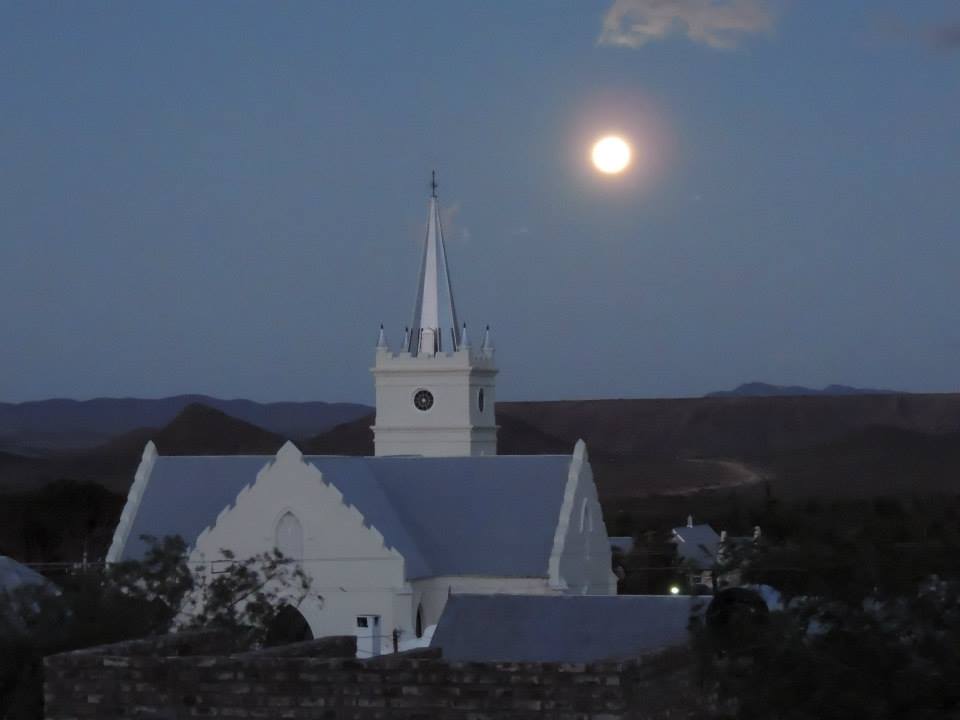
(611, 155)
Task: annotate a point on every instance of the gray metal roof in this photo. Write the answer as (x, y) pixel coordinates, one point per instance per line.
(14, 575)
(562, 628)
(186, 493)
(488, 516)
(697, 544)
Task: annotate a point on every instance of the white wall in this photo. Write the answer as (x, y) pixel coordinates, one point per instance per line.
(580, 562)
(352, 572)
(455, 425)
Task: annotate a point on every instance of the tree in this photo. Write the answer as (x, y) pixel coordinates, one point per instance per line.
(135, 599)
(870, 626)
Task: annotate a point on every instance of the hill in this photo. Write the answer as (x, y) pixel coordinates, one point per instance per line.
(47, 425)
(800, 444)
(515, 437)
(760, 389)
(732, 427)
(871, 461)
(197, 430)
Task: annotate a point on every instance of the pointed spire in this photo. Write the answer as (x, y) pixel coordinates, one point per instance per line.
(406, 338)
(487, 345)
(382, 339)
(434, 314)
(464, 340)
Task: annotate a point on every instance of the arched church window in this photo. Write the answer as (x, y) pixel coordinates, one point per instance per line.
(480, 399)
(584, 516)
(289, 537)
(419, 624)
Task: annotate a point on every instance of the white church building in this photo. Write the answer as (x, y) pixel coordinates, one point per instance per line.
(386, 540)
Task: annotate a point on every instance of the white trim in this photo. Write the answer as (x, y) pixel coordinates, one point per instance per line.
(140, 481)
(566, 512)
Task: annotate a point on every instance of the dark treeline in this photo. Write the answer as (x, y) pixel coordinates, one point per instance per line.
(810, 546)
(61, 522)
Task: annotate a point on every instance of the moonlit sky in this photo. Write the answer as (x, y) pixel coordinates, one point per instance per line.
(229, 197)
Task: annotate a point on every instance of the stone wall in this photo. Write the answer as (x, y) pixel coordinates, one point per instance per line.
(320, 679)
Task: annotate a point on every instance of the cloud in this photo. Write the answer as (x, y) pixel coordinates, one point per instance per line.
(946, 37)
(719, 24)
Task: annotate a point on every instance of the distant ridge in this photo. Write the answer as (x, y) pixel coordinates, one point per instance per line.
(61, 424)
(202, 430)
(760, 389)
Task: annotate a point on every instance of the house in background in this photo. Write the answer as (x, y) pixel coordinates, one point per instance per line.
(697, 550)
(703, 554)
(386, 540)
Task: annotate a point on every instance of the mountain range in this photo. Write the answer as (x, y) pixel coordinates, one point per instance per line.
(761, 389)
(652, 459)
(37, 427)
(638, 447)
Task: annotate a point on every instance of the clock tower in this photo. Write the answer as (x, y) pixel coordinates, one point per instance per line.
(435, 397)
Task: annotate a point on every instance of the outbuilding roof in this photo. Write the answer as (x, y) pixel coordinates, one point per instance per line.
(698, 544)
(15, 575)
(486, 515)
(562, 628)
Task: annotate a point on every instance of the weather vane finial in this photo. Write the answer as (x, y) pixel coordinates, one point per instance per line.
(433, 183)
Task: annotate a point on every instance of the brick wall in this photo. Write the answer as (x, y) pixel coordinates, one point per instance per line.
(321, 680)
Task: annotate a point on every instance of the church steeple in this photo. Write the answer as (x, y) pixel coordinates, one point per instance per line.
(435, 327)
(436, 397)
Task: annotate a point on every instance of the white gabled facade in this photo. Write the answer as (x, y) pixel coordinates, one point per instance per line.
(352, 571)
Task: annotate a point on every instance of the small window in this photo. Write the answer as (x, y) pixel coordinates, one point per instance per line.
(361, 622)
(289, 537)
(419, 627)
(585, 520)
(480, 399)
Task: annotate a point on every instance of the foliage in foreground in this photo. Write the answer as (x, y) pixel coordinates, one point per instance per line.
(135, 599)
(869, 628)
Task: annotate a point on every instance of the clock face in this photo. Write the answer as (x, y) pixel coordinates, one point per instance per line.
(423, 400)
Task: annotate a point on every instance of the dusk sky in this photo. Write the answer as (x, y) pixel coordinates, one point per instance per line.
(229, 197)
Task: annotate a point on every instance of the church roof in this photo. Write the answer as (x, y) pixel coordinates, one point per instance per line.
(562, 628)
(483, 515)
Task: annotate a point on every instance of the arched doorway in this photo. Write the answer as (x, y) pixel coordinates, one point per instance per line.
(288, 626)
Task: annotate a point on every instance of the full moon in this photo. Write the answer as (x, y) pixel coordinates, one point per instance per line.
(611, 154)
